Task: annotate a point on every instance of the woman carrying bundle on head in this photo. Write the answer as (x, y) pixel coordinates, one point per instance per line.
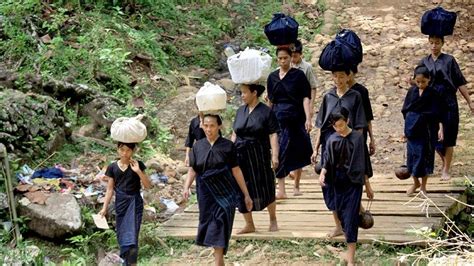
(289, 93)
(421, 111)
(255, 137)
(447, 79)
(219, 180)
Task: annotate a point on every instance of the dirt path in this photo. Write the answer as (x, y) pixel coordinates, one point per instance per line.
(393, 45)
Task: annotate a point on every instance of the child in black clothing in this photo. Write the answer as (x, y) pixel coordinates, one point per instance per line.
(125, 178)
(344, 169)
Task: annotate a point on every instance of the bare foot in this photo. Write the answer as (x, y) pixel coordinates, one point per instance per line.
(281, 196)
(412, 189)
(273, 226)
(445, 176)
(296, 192)
(344, 256)
(336, 232)
(247, 229)
(423, 191)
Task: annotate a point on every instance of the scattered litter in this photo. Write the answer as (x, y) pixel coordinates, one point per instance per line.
(158, 178)
(37, 197)
(150, 208)
(171, 206)
(24, 201)
(52, 172)
(100, 221)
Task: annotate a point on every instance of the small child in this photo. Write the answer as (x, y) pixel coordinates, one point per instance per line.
(125, 178)
(195, 133)
(421, 111)
(344, 168)
(298, 62)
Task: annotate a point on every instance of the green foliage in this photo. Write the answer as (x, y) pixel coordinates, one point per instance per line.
(25, 253)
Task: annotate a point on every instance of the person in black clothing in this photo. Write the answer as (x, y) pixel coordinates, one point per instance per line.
(219, 181)
(344, 169)
(364, 93)
(256, 139)
(422, 111)
(289, 93)
(195, 133)
(126, 177)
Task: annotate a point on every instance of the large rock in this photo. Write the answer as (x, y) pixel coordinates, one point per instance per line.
(60, 215)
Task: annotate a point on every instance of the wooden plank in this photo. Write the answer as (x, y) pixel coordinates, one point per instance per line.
(305, 217)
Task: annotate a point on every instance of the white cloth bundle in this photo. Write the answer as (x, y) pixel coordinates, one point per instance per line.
(128, 129)
(211, 98)
(249, 66)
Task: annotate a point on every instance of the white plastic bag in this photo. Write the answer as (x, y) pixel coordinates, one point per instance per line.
(211, 98)
(249, 66)
(128, 129)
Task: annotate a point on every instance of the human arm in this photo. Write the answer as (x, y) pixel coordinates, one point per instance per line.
(108, 196)
(239, 177)
(322, 177)
(465, 93)
(440, 132)
(189, 181)
(372, 139)
(233, 137)
(307, 111)
(145, 180)
(316, 147)
(368, 188)
(186, 160)
(275, 149)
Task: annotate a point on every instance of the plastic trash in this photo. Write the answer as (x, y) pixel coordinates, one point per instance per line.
(171, 206)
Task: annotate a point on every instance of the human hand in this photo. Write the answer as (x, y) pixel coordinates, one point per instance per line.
(314, 156)
(308, 125)
(134, 165)
(322, 180)
(275, 162)
(248, 203)
(103, 212)
(372, 147)
(186, 194)
(440, 135)
(369, 191)
(471, 106)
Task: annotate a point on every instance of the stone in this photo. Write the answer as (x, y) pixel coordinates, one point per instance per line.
(3, 201)
(227, 84)
(61, 215)
(182, 170)
(154, 164)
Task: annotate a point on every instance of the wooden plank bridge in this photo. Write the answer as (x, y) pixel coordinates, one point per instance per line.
(306, 216)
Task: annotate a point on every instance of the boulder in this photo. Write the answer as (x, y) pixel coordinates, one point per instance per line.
(60, 215)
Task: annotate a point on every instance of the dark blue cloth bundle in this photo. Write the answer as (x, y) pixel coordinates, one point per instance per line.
(438, 22)
(281, 30)
(52, 172)
(338, 56)
(350, 38)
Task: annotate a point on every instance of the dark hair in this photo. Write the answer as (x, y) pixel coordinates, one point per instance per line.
(256, 87)
(132, 146)
(337, 115)
(217, 117)
(438, 37)
(284, 48)
(298, 47)
(346, 70)
(354, 69)
(422, 70)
